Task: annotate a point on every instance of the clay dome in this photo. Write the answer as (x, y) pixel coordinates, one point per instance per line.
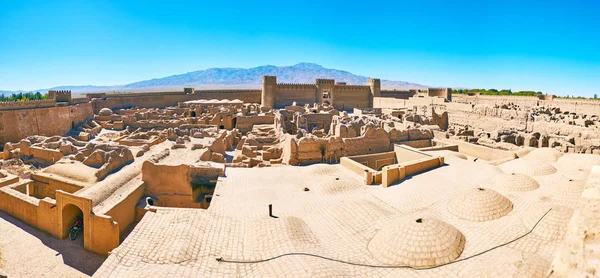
(527, 167)
(417, 242)
(553, 226)
(547, 155)
(566, 188)
(479, 204)
(517, 182)
(105, 112)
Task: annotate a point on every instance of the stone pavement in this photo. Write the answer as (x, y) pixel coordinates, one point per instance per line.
(341, 218)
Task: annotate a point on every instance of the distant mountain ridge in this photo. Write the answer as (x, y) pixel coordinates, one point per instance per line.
(237, 77)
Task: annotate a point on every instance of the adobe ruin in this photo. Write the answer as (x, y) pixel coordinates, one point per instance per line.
(422, 181)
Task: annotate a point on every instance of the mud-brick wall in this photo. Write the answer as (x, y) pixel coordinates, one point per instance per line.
(164, 99)
(302, 94)
(350, 97)
(18, 124)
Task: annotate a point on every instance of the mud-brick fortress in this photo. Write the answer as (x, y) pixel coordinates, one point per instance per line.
(412, 182)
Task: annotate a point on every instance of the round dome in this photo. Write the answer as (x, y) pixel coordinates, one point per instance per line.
(527, 167)
(547, 155)
(105, 112)
(564, 188)
(417, 242)
(517, 182)
(553, 226)
(479, 204)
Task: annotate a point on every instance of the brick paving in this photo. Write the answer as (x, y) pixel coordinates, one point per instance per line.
(339, 217)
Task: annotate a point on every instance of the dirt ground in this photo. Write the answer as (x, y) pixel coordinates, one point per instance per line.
(28, 252)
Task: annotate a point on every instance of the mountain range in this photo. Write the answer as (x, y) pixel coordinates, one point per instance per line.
(238, 78)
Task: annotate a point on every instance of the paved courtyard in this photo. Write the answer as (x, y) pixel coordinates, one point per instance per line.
(341, 218)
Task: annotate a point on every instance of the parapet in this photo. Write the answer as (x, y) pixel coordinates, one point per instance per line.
(15, 105)
(60, 95)
(320, 81)
(268, 79)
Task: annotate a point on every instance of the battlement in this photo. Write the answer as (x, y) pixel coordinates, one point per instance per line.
(117, 95)
(294, 85)
(14, 105)
(60, 95)
(268, 79)
(320, 81)
(95, 95)
(79, 100)
(351, 87)
(374, 81)
(228, 91)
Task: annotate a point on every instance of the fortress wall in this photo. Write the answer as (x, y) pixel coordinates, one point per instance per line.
(18, 124)
(387, 102)
(247, 96)
(397, 94)
(164, 99)
(287, 94)
(349, 97)
(15, 105)
(580, 106)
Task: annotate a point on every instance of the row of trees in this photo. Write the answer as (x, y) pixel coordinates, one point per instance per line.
(494, 92)
(23, 96)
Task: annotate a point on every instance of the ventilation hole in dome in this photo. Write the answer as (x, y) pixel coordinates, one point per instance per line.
(481, 189)
(420, 220)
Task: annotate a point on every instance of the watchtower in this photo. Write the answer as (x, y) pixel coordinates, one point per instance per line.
(375, 85)
(60, 95)
(269, 91)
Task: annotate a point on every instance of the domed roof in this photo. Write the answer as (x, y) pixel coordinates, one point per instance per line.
(517, 182)
(479, 204)
(553, 226)
(547, 155)
(527, 167)
(105, 112)
(566, 188)
(417, 242)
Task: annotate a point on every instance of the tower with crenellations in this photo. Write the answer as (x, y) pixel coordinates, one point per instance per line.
(60, 95)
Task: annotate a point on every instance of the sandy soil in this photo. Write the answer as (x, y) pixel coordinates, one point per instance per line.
(28, 252)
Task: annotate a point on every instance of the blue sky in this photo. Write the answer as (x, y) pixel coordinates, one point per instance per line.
(550, 46)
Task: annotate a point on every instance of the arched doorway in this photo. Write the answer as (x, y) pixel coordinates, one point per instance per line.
(233, 122)
(69, 213)
(193, 114)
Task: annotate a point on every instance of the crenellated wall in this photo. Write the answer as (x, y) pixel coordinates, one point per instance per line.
(341, 96)
(164, 99)
(287, 94)
(352, 96)
(15, 105)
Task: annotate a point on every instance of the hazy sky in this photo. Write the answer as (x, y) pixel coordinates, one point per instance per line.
(551, 46)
